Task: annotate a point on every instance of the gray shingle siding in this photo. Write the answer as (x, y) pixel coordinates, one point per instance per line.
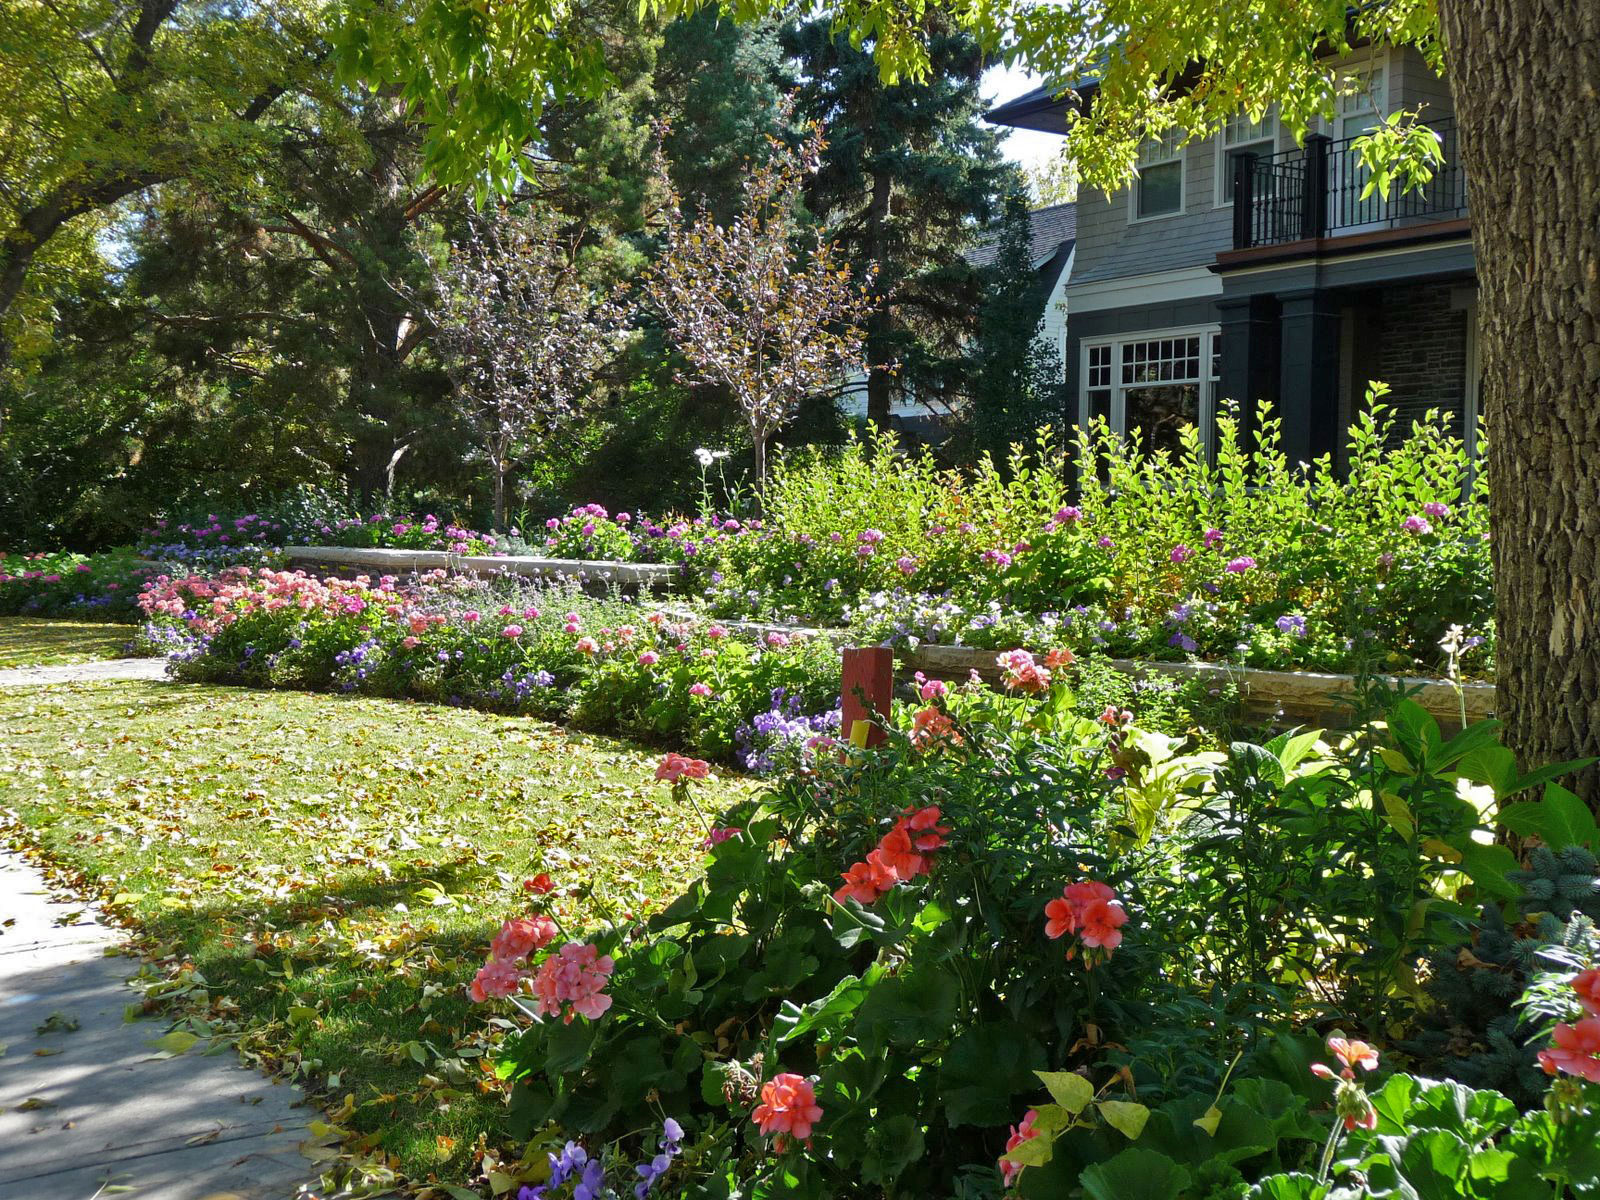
(1110, 246)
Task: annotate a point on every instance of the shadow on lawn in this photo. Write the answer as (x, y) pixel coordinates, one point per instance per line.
(35, 641)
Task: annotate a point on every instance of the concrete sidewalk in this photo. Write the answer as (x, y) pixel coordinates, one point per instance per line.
(116, 668)
(95, 1106)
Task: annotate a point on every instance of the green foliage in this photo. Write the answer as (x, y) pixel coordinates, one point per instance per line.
(1244, 558)
(1262, 891)
(1444, 1139)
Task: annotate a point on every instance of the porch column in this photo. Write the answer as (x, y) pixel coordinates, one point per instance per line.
(1249, 326)
(1308, 383)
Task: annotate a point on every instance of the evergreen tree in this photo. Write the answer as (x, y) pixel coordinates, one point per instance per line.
(909, 178)
(1018, 383)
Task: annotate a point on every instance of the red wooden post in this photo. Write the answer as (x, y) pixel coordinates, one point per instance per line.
(867, 686)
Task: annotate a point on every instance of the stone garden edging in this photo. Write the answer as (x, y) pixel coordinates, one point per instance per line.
(398, 562)
(1285, 697)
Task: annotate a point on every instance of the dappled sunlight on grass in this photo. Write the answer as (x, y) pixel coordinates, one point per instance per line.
(335, 867)
(36, 642)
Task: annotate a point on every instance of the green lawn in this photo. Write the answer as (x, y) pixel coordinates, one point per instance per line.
(38, 642)
(335, 868)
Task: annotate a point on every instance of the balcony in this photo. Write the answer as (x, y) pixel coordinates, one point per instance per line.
(1315, 192)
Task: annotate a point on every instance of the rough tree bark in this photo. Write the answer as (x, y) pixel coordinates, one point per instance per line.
(880, 324)
(1525, 75)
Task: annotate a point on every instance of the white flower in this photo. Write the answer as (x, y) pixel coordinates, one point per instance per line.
(704, 457)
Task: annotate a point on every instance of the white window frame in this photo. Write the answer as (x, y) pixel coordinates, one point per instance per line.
(1378, 100)
(1224, 177)
(1178, 157)
(1210, 384)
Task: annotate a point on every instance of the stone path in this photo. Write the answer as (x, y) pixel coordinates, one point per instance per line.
(98, 1107)
(116, 668)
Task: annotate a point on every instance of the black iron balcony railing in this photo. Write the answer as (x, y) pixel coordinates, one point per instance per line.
(1316, 192)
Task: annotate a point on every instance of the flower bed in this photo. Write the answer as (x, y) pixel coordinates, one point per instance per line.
(1052, 956)
(103, 586)
(220, 540)
(600, 663)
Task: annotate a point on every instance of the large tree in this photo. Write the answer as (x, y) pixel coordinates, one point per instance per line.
(106, 98)
(1525, 75)
(910, 177)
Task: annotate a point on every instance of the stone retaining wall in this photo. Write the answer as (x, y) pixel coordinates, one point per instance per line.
(342, 559)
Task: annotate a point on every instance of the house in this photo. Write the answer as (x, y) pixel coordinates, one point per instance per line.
(1251, 267)
(1052, 241)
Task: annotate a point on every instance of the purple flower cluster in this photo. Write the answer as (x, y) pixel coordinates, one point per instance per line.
(768, 740)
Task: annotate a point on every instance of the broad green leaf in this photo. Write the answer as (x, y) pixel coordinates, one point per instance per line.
(1071, 1091)
(1135, 1173)
(1559, 820)
(1034, 1152)
(1125, 1117)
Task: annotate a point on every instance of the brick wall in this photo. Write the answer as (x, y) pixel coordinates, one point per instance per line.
(1422, 352)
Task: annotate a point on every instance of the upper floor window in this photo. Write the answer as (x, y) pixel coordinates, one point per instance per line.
(1242, 136)
(1158, 182)
(1363, 102)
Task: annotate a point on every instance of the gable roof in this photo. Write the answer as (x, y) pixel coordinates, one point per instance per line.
(1053, 231)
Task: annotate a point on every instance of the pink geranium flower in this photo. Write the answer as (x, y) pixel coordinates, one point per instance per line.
(1574, 1050)
(521, 936)
(930, 727)
(587, 645)
(1025, 1131)
(788, 1108)
(498, 977)
(700, 689)
(1021, 673)
(511, 631)
(575, 977)
(1587, 985)
(678, 766)
(719, 835)
(1090, 912)
(649, 658)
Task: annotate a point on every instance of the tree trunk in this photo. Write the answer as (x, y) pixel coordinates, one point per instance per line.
(1526, 82)
(880, 324)
(760, 440)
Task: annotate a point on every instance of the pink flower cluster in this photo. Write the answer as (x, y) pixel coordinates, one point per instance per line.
(933, 727)
(1024, 1131)
(1021, 673)
(788, 1109)
(503, 974)
(1575, 1047)
(205, 604)
(675, 766)
(1091, 914)
(574, 977)
(901, 855)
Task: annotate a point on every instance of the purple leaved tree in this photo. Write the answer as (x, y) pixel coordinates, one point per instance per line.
(761, 306)
(523, 336)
